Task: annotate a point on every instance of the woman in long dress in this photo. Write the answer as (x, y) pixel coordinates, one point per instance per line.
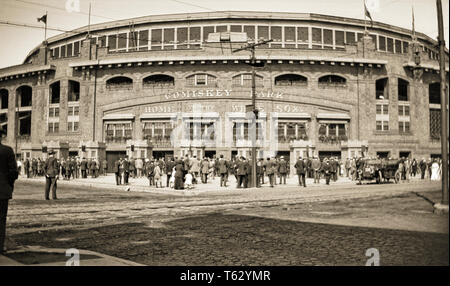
(435, 171)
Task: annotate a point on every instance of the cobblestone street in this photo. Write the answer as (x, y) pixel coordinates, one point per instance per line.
(281, 226)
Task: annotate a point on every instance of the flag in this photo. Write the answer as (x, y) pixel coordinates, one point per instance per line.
(43, 19)
(367, 13)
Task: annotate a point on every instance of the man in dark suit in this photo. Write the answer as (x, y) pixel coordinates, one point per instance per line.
(282, 170)
(327, 170)
(126, 171)
(83, 168)
(117, 172)
(8, 174)
(223, 171)
(300, 166)
(169, 169)
(51, 175)
(241, 171)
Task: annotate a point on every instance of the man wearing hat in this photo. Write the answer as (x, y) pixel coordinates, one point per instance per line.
(8, 174)
(300, 166)
(282, 170)
(327, 170)
(51, 175)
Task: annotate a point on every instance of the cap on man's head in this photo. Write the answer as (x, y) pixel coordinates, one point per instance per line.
(51, 152)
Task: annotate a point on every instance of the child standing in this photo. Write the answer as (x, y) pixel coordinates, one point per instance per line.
(188, 181)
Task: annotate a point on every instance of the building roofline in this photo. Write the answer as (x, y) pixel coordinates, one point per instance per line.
(289, 16)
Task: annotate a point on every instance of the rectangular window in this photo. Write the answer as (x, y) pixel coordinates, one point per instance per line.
(122, 41)
(275, 33)
(382, 43)
(289, 34)
(206, 31)
(143, 40)
(63, 51)
(132, 41)
(350, 37)
(382, 109)
(220, 29)
(200, 79)
(339, 38)
(390, 45)
(250, 30)
(398, 46)
(327, 37)
(76, 48)
(317, 35)
(69, 49)
(405, 47)
(382, 125)
(169, 35)
(112, 42)
(182, 38)
(236, 28)
(302, 34)
(374, 40)
(435, 123)
(156, 37)
(194, 34)
(263, 32)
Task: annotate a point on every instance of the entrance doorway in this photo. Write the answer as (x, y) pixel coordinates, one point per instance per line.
(166, 155)
(113, 156)
(383, 155)
(234, 154)
(210, 154)
(73, 153)
(404, 154)
(328, 154)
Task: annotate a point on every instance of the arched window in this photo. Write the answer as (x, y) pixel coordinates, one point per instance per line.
(245, 80)
(403, 87)
(55, 92)
(119, 82)
(201, 79)
(74, 91)
(4, 98)
(382, 88)
(291, 80)
(434, 93)
(332, 81)
(24, 95)
(158, 80)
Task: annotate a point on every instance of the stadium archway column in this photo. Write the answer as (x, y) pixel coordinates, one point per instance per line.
(300, 148)
(92, 150)
(139, 149)
(61, 149)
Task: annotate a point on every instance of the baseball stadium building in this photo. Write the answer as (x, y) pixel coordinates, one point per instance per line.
(171, 85)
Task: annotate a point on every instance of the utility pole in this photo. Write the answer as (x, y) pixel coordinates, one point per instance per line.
(444, 103)
(251, 47)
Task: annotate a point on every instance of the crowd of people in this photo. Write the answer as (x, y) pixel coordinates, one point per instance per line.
(186, 172)
(71, 167)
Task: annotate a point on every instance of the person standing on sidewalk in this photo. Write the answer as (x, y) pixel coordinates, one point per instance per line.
(315, 165)
(105, 167)
(282, 170)
(117, 172)
(223, 171)
(51, 175)
(8, 174)
(327, 170)
(300, 166)
(126, 170)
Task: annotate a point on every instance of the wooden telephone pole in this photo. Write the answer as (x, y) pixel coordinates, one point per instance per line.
(444, 104)
(251, 47)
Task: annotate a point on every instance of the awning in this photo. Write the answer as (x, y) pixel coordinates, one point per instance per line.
(342, 116)
(119, 116)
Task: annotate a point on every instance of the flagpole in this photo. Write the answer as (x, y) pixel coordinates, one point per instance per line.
(45, 30)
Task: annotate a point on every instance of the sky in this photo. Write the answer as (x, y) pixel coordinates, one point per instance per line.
(18, 41)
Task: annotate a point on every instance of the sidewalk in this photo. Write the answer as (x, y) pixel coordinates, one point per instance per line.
(41, 256)
(142, 184)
